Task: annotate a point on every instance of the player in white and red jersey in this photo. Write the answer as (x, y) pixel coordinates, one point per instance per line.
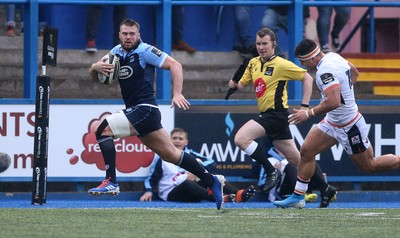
(342, 124)
(333, 72)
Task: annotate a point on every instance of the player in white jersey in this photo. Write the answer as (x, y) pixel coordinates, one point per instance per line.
(177, 184)
(343, 123)
(333, 71)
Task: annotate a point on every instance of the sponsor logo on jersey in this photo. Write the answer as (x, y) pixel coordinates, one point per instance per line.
(260, 87)
(355, 140)
(269, 71)
(156, 51)
(125, 72)
(327, 78)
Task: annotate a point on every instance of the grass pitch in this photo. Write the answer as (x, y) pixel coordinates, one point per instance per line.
(192, 223)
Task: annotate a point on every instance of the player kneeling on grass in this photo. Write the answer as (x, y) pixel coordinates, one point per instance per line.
(141, 116)
(178, 185)
(343, 123)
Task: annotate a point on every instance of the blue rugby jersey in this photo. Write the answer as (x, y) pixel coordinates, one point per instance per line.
(137, 71)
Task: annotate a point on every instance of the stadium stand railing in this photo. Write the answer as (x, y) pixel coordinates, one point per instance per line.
(31, 13)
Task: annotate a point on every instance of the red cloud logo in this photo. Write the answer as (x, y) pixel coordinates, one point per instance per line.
(131, 152)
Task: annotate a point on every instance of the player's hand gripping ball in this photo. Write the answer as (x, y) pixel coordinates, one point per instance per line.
(113, 76)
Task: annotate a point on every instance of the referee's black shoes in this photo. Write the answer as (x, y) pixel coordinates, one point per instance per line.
(327, 196)
(271, 180)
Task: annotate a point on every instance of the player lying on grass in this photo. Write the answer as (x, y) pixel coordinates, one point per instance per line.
(178, 185)
(286, 183)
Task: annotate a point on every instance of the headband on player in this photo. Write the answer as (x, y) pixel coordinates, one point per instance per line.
(310, 55)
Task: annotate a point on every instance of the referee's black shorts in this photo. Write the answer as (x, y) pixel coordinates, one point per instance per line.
(275, 123)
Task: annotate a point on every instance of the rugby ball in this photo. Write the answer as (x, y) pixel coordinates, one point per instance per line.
(5, 162)
(113, 76)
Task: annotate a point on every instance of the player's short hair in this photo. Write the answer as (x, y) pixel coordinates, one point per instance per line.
(130, 22)
(266, 32)
(178, 129)
(305, 47)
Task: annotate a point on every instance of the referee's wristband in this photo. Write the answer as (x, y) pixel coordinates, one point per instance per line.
(304, 105)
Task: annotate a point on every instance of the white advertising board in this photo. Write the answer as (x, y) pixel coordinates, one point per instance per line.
(73, 150)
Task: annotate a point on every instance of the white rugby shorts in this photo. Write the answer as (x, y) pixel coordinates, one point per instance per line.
(353, 136)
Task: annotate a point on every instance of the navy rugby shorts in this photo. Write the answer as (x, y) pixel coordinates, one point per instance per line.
(145, 118)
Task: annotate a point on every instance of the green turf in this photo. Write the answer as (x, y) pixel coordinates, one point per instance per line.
(192, 223)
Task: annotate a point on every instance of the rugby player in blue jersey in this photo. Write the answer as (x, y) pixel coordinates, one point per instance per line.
(141, 116)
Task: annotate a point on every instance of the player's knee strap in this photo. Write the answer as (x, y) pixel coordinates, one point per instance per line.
(119, 124)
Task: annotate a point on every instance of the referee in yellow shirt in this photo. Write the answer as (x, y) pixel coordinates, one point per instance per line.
(270, 75)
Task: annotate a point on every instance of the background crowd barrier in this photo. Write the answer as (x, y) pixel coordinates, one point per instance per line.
(163, 28)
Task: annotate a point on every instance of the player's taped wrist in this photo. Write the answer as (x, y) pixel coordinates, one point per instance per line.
(308, 116)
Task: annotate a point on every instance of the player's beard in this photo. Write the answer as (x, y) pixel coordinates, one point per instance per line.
(132, 46)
